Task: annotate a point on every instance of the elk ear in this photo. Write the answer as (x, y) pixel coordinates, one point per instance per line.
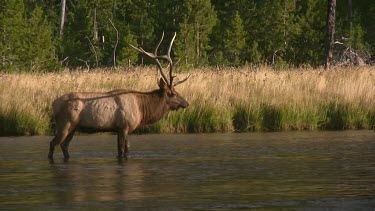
(162, 84)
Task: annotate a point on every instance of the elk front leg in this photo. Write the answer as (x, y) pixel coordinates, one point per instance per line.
(122, 143)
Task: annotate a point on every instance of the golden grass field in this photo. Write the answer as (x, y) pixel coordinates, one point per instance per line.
(224, 100)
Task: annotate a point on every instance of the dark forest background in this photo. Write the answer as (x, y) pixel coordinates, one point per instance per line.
(97, 33)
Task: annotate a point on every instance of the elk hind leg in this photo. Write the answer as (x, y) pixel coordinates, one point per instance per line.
(62, 133)
(122, 143)
(65, 144)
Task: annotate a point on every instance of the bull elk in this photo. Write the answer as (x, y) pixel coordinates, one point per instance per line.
(121, 111)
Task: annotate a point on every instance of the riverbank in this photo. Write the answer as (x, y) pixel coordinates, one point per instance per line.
(225, 100)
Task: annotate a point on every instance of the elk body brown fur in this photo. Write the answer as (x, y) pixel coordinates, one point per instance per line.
(121, 110)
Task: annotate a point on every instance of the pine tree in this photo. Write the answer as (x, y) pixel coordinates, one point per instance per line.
(103, 36)
(12, 25)
(126, 55)
(253, 54)
(271, 35)
(231, 32)
(74, 48)
(195, 28)
(39, 48)
(136, 23)
(351, 29)
(185, 44)
(235, 40)
(364, 20)
(309, 38)
(52, 10)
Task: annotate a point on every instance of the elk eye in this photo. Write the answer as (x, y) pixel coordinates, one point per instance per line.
(171, 94)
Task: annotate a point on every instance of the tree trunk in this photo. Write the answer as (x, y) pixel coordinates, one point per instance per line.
(331, 10)
(350, 18)
(96, 33)
(62, 16)
(142, 60)
(117, 38)
(197, 44)
(114, 9)
(3, 50)
(350, 10)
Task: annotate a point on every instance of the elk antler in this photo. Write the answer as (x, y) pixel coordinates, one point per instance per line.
(170, 60)
(165, 57)
(155, 57)
(182, 81)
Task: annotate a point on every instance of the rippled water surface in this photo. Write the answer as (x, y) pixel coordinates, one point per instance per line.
(266, 171)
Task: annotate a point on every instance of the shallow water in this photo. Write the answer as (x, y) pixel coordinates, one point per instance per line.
(266, 171)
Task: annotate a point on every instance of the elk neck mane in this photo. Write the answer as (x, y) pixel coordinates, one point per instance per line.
(152, 105)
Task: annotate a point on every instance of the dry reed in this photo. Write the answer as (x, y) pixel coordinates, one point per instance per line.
(221, 100)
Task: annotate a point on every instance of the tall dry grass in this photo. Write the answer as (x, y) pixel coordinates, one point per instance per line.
(221, 100)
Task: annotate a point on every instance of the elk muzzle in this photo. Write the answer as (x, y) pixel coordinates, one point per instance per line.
(183, 103)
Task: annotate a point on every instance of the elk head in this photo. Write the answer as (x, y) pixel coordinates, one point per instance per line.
(172, 97)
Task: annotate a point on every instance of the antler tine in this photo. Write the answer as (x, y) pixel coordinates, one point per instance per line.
(166, 57)
(170, 45)
(137, 49)
(170, 60)
(157, 60)
(157, 47)
(155, 57)
(180, 82)
(140, 50)
(161, 71)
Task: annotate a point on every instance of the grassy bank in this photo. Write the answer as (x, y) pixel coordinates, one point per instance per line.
(221, 100)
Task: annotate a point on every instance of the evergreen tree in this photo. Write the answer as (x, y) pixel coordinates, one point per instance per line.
(195, 28)
(186, 42)
(126, 55)
(309, 41)
(350, 29)
(39, 48)
(364, 20)
(225, 11)
(253, 54)
(235, 38)
(52, 12)
(271, 29)
(75, 46)
(12, 26)
(103, 35)
(136, 24)
(231, 32)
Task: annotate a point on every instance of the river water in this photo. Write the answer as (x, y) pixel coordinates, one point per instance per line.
(264, 171)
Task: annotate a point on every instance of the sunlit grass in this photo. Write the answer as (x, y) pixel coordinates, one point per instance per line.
(223, 100)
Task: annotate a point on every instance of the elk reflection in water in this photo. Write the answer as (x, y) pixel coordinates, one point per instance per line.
(99, 182)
